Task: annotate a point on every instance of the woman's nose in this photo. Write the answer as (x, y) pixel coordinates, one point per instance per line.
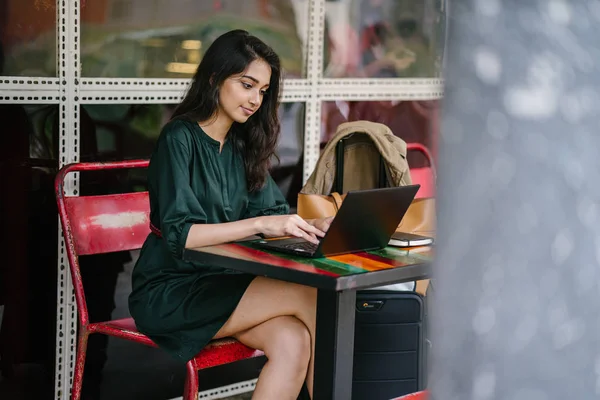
(255, 98)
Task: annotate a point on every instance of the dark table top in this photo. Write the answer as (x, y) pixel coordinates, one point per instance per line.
(349, 271)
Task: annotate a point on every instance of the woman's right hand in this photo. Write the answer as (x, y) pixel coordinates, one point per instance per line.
(288, 225)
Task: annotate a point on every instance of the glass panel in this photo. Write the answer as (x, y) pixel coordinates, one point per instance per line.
(384, 38)
(28, 37)
(413, 121)
(167, 38)
(28, 228)
(288, 172)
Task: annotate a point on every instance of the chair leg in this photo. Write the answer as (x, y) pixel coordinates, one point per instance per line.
(79, 364)
(190, 391)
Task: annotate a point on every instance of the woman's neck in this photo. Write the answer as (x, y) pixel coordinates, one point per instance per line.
(217, 128)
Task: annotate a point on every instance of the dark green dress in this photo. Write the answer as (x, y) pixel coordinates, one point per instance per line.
(182, 305)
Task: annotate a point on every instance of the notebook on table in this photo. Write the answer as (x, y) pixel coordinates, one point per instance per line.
(405, 239)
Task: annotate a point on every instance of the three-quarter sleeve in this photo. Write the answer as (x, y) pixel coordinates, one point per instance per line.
(178, 206)
(267, 201)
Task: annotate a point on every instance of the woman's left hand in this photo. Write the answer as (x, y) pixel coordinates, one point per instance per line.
(321, 223)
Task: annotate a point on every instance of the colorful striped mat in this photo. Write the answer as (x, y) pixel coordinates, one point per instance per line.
(347, 264)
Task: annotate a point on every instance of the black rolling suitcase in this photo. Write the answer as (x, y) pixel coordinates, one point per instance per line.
(389, 344)
(390, 348)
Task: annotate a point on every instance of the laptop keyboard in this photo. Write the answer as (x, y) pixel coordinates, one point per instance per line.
(303, 246)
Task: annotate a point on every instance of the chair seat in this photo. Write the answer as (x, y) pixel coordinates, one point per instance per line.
(217, 352)
(414, 396)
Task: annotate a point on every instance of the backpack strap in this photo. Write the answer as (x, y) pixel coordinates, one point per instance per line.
(337, 200)
(382, 174)
(339, 166)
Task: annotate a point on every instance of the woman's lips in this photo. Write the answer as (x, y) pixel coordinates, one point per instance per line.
(247, 111)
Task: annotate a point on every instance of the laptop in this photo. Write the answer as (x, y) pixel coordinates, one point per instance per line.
(366, 220)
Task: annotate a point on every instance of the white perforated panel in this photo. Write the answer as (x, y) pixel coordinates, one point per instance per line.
(27, 83)
(324, 90)
(68, 67)
(314, 73)
(370, 91)
(29, 96)
(130, 97)
(399, 84)
(225, 391)
(121, 84)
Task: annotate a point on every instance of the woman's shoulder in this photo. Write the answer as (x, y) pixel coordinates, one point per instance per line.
(179, 129)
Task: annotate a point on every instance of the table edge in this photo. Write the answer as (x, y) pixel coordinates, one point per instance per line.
(357, 281)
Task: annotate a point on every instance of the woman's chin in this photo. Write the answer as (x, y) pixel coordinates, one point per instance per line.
(242, 119)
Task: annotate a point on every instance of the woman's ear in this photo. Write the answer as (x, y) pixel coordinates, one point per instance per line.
(212, 79)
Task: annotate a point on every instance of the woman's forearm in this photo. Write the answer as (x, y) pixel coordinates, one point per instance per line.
(211, 234)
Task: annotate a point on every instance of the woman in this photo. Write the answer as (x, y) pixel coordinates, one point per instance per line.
(209, 184)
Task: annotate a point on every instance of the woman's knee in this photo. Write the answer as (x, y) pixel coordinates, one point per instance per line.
(290, 343)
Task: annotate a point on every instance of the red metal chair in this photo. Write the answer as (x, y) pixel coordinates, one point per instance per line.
(425, 176)
(120, 222)
(424, 395)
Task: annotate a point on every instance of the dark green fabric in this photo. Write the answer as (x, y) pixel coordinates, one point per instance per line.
(182, 305)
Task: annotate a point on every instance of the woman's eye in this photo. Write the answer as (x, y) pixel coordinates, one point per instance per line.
(263, 92)
(247, 85)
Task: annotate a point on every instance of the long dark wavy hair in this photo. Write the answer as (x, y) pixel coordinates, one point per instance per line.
(230, 54)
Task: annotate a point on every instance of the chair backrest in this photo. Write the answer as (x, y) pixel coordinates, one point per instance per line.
(425, 176)
(104, 224)
(100, 224)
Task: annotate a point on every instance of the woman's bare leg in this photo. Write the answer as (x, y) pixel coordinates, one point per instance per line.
(268, 298)
(286, 343)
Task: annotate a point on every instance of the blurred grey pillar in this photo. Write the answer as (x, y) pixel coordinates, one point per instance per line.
(516, 310)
